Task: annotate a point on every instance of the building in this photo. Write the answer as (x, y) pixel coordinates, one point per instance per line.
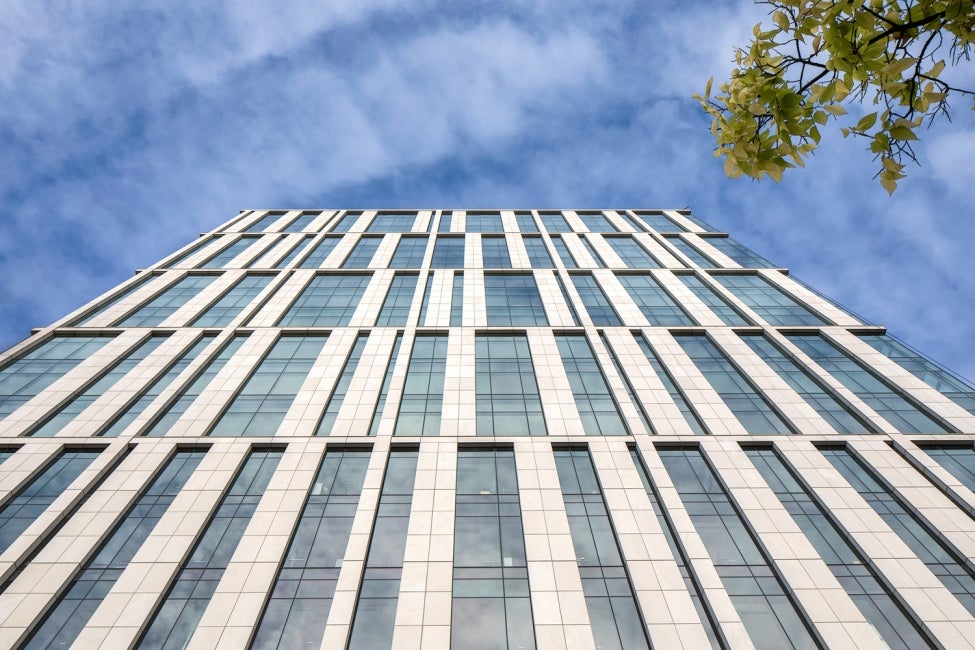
(521, 429)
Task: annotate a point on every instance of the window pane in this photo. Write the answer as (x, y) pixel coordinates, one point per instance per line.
(375, 615)
(27, 376)
(654, 301)
(756, 589)
(327, 301)
(301, 595)
(605, 578)
(261, 404)
(513, 300)
(600, 416)
(98, 575)
(166, 303)
(508, 403)
(176, 618)
(749, 406)
(768, 301)
(597, 304)
(422, 400)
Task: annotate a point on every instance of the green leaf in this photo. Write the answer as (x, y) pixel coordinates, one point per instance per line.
(888, 184)
(781, 20)
(894, 68)
(866, 122)
(707, 89)
(902, 133)
(936, 70)
(834, 109)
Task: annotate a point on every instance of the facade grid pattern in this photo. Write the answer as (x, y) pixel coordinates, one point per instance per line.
(480, 428)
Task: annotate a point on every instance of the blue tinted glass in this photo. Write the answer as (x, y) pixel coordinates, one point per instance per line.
(262, 402)
(327, 301)
(507, 398)
(27, 376)
(176, 618)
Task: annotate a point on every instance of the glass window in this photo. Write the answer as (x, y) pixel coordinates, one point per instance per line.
(409, 252)
(647, 426)
(265, 222)
(770, 615)
(877, 393)
(596, 222)
(302, 593)
(537, 252)
(448, 253)
(295, 251)
(425, 304)
(346, 221)
(613, 611)
(109, 376)
(176, 618)
(387, 222)
(957, 459)
(859, 580)
(220, 313)
(457, 301)
(188, 395)
(174, 261)
(949, 566)
(749, 406)
(594, 401)
(668, 381)
(27, 376)
(156, 388)
(700, 223)
(632, 253)
(942, 380)
(446, 221)
(706, 294)
(596, 257)
(30, 502)
(224, 257)
(327, 301)
(321, 251)
(422, 400)
(696, 256)
(375, 612)
(568, 301)
(508, 403)
(483, 222)
(273, 252)
(597, 304)
(114, 300)
(384, 389)
(654, 301)
(86, 591)
(567, 259)
(526, 222)
(362, 253)
(302, 222)
(166, 303)
(659, 221)
(768, 300)
(513, 300)
(398, 301)
(739, 253)
(809, 388)
(337, 398)
(691, 582)
(554, 222)
(494, 252)
(261, 404)
(491, 604)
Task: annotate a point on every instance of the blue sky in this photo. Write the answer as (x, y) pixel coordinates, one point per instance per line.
(126, 131)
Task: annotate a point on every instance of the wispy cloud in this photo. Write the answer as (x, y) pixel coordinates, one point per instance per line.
(149, 124)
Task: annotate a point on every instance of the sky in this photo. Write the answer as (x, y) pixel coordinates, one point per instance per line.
(126, 129)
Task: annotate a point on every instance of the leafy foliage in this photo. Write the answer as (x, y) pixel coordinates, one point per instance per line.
(819, 54)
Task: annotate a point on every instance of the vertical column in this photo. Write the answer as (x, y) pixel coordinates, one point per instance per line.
(558, 602)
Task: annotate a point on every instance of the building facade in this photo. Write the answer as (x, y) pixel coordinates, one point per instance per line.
(480, 429)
